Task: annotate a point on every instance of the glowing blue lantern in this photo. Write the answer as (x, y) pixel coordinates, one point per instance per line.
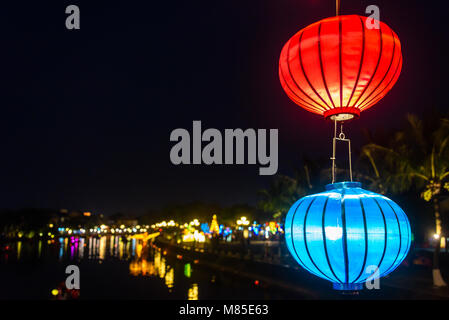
(347, 235)
(205, 228)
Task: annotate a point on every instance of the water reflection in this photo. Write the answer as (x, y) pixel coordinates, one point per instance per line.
(145, 259)
(151, 263)
(187, 270)
(19, 249)
(81, 248)
(142, 267)
(170, 278)
(39, 248)
(193, 292)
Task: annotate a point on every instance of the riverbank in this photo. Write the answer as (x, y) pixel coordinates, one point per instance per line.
(407, 282)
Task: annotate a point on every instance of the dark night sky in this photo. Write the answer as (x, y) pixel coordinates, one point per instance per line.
(86, 115)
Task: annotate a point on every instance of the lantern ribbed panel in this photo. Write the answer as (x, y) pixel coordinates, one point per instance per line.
(338, 234)
(338, 65)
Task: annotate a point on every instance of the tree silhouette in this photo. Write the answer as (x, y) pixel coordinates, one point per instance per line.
(415, 158)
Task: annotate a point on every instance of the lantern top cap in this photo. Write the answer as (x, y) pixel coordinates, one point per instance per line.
(343, 185)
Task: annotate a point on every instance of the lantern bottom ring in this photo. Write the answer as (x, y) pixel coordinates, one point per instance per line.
(348, 286)
(342, 117)
(342, 114)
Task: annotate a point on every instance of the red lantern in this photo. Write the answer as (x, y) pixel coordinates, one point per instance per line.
(338, 67)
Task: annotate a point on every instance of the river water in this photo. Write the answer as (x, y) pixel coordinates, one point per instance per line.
(113, 267)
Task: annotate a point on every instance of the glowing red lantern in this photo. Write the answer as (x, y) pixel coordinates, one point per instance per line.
(338, 67)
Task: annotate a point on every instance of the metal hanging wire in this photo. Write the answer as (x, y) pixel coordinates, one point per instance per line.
(340, 137)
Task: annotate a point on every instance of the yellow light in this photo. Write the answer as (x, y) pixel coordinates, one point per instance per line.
(199, 236)
(55, 292)
(192, 294)
(188, 237)
(50, 225)
(436, 236)
(87, 214)
(122, 226)
(243, 220)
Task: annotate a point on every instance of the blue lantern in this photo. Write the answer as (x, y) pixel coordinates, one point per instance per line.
(340, 234)
(205, 228)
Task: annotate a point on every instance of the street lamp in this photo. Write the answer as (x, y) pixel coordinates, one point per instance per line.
(243, 221)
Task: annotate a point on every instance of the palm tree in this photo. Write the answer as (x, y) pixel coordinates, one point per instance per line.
(415, 158)
(280, 196)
